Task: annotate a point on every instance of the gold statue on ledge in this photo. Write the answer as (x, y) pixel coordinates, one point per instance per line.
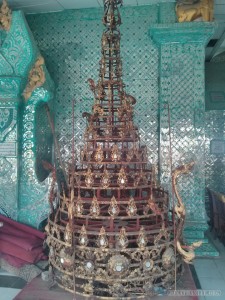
(36, 78)
(194, 10)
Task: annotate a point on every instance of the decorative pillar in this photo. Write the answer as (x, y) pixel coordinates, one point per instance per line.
(23, 190)
(182, 117)
(9, 104)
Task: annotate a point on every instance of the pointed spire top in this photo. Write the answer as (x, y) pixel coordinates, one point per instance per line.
(111, 16)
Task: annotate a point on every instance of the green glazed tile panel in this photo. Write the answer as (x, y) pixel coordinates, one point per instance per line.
(182, 54)
(70, 43)
(22, 196)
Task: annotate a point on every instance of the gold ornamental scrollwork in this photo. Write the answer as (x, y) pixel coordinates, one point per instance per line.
(36, 78)
(187, 253)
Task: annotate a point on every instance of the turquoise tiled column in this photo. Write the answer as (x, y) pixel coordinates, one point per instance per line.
(182, 90)
(10, 102)
(23, 195)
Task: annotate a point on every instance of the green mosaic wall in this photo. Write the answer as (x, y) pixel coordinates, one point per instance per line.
(23, 194)
(70, 44)
(215, 125)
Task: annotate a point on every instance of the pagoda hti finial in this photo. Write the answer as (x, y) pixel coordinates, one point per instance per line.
(118, 238)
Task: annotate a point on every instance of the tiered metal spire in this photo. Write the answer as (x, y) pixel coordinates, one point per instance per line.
(110, 236)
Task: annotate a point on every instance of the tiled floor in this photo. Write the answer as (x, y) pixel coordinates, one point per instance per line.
(10, 285)
(211, 273)
(210, 276)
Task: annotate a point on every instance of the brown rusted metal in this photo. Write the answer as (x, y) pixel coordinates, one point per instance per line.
(111, 236)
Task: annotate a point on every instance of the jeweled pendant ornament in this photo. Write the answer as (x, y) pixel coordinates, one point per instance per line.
(99, 154)
(122, 239)
(110, 235)
(142, 239)
(131, 208)
(79, 207)
(102, 241)
(122, 178)
(115, 154)
(105, 181)
(89, 180)
(83, 238)
(95, 208)
(113, 208)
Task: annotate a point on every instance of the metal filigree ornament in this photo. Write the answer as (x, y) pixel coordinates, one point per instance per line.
(51, 252)
(105, 181)
(131, 208)
(68, 234)
(99, 156)
(89, 178)
(168, 258)
(110, 234)
(66, 259)
(79, 207)
(83, 238)
(83, 153)
(118, 265)
(118, 290)
(122, 239)
(142, 240)
(148, 288)
(97, 109)
(102, 241)
(88, 288)
(113, 208)
(89, 266)
(148, 265)
(95, 208)
(122, 178)
(108, 131)
(115, 153)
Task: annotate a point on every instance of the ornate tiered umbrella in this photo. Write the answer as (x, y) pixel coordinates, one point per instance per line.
(111, 235)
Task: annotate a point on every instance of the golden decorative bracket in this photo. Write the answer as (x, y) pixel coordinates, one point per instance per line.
(36, 78)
